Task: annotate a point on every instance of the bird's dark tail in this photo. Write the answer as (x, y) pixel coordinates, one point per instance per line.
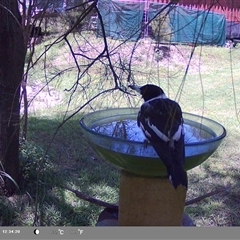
(177, 176)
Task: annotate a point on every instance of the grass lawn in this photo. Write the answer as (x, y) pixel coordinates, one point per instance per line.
(210, 88)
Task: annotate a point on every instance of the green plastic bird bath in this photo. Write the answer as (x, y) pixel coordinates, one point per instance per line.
(114, 135)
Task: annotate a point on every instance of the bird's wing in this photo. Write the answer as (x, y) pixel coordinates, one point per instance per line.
(162, 123)
(161, 119)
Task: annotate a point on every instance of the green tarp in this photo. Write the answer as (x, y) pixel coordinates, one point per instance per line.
(121, 20)
(124, 20)
(195, 26)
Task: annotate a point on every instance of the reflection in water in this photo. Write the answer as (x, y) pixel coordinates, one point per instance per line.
(128, 129)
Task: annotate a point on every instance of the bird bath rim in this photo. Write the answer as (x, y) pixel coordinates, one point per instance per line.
(208, 141)
(137, 157)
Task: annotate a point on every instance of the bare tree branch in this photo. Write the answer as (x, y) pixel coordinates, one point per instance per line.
(115, 206)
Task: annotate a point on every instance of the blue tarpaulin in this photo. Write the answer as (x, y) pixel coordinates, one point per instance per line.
(121, 20)
(197, 26)
(124, 20)
(233, 30)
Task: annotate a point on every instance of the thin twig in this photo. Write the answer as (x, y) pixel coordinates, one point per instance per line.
(197, 199)
(76, 112)
(91, 199)
(115, 206)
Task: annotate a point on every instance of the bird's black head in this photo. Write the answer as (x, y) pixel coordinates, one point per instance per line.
(149, 91)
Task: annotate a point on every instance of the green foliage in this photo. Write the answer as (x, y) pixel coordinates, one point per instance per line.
(3, 176)
(7, 213)
(34, 162)
(69, 162)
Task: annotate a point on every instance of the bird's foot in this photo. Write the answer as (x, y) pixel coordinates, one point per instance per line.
(146, 142)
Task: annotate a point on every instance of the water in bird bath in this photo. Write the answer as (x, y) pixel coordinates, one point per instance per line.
(128, 130)
(115, 136)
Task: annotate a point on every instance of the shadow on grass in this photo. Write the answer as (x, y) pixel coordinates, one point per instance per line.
(223, 208)
(72, 162)
(69, 162)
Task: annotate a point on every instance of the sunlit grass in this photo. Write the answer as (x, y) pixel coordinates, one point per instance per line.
(208, 90)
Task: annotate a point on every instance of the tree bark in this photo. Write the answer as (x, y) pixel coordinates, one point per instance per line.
(12, 57)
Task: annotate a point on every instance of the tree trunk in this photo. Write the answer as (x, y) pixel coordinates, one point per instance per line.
(12, 57)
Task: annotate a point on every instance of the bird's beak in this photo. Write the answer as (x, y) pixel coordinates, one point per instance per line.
(136, 88)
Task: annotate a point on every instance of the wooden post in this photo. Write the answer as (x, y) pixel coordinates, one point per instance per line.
(149, 201)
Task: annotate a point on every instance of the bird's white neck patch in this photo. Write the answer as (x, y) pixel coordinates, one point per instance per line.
(161, 96)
